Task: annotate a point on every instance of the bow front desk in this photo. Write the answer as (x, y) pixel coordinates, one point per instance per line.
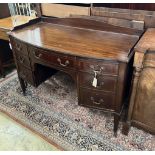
(98, 56)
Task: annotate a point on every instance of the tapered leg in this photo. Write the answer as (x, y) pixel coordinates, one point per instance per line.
(23, 85)
(126, 127)
(116, 123)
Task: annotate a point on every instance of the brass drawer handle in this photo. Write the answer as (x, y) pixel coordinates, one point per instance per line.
(38, 56)
(18, 47)
(22, 75)
(98, 71)
(21, 59)
(97, 103)
(64, 65)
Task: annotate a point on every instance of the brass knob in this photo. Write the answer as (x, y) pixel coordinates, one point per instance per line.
(65, 64)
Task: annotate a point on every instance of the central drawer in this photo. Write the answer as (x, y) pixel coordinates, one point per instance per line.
(59, 60)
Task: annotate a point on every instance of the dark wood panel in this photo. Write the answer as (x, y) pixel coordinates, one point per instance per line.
(20, 47)
(23, 60)
(53, 58)
(25, 74)
(97, 99)
(106, 83)
(102, 67)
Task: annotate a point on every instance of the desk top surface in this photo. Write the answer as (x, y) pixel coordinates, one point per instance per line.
(79, 41)
(10, 22)
(147, 41)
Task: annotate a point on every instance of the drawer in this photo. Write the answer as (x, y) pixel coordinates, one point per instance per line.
(22, 60)
(96, 99)
(59, 60)
(100, 66)
(25, 74)
(106, 83)
(19, 47)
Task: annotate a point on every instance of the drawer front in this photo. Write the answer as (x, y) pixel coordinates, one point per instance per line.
(23, 60)
(96, 99)
(100, 66)
(59, 60)
(19, 46)
(106, 83)
(25, 74)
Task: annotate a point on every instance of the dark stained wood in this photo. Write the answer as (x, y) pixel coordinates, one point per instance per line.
(142, 110)
(139, 25)
(80, 51)
(56, 59)
(94, 23)
(96, 99)
(23, 60)
(103, 67)
(67, 39)
(106, 83)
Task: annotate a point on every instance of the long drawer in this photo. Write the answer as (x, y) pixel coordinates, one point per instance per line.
(103, 67)
(96, 99)
(106, 83)
(59, 60)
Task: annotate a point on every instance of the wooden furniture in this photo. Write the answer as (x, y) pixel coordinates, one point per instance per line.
(9, 23)
(148, 17)
(97, 55)
(6, 25)
(133, 6)
(142, 102)
(4, 10)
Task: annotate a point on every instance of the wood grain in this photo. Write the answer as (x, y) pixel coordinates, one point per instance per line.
(79, 41)
(141, 109)
(147, 41)
(115, 21)
(60, 10)
(140, 15)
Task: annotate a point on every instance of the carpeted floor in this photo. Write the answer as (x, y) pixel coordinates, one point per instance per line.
(52, 111)
(15, 137)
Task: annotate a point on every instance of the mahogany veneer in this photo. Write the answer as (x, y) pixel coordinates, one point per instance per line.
(79, 47)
